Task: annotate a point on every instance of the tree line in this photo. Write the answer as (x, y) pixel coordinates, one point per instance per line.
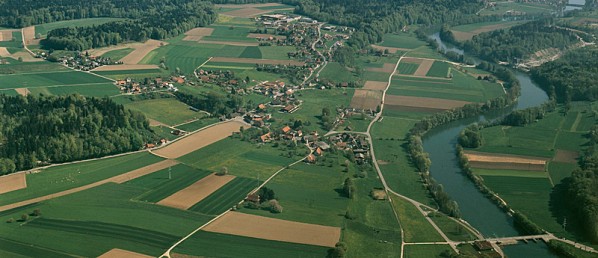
(212, 102)
(39, 130)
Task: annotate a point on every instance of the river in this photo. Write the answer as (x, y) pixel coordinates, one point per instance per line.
(475, 208)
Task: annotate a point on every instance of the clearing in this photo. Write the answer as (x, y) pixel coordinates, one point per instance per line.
(141, 51)
(366, 99)
(120, 253)
(197, 34)
(241, 224)
(200, 139)
(23, 91)
(252, 10)
(422, 104)
(466, 32)
(505, 161)
(375, 85)
(12, 182)
(256, 61)
(196, 192)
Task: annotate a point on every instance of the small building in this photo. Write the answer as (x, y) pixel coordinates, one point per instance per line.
(318, 151)
(311, 158)
(483, 246)
(266, 137)
(254, 197)
(286, 129)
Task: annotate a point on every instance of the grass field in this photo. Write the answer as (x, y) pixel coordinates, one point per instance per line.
(118, 53)
(166, 110)
(160, 186)
(335, 72)
(128, 72)
(467, 31)
(425, 251)
(453, 230)
(401, 41)
(65, 177)
(215, 244)
(229, 33)
(196, 125)
(407, 68)
(226, 197)
(439, 69)
(529, 8)
(45, 28)
(415, 226)
(91, 90)
(43, 79)
(251, 52)
(276, 52)
(16, 67)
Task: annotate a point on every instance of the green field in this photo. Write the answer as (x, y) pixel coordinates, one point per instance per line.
(196, 125)
(160, 186)
(415, 227)
(45, 28)
(169, 111)
(43, 79)
(513, 173)
(66, 177)
(226, 197)
(460, 87)
(91, 90)
(16, 41)
(529, 8)
(129, 72)
(276, 52)
(336, 73)
(229, 33)
(220, 245)
(401, 41)
(453, 230)
(251, 52)
(425, 251)
(483, 25)
(407, 68)
(439, 69)
(118, 53)
(16, 67)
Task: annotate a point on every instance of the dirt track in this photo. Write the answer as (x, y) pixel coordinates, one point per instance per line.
(125, 67)
(366, 99)
(120, 253)
(12, 182)
(116, 179)
(141, 51)
(375, 85)
(241, 224)
(426, 103)
(189, 196)
(200, 139)
(255, 61)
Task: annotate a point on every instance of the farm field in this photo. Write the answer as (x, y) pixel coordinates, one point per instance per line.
(44, 79)
(196, 125)
(43, 29)
(225, 197)
(205, 243)
(169, 111)
(415, 226)
(504, 161)
(366, 99)
(439, 69)
(118, 53)
(60, 178)
(528, 8)
(336, 73)
(404, 41)
(424, 251)
(466, 32)
(197, 191)
(16, 67)
(90, 90)
(407, 68)
(12, 182)
(453, 230)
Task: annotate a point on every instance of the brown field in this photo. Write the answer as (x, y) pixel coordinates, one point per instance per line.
(505, 161)
(375, 85)
(200, 139)
(6, 35)
(257, 35)
(29, 34)
(197, 34)
(378, 194)
(12, 182)
(116, 179)
(103, 50)
(240, 224)
(230, 43)
(255, 61)
(463, 35)
(26, 57)
(4, 52)
(189, 196)
(119, 253)
(125, 67)
(177, 255)
(391, 50)
(425, 103)
(141, 51)
(387, 68)
(566, 156)
(23, 91)
(414, 60)
(424, 67)
(366, 99)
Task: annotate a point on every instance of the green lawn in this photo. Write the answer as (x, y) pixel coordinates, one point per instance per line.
(160, 186)
(118, 53)
(42, 79)
(220, 245)
(225, 197)
(43, 29)
(166, 110)
(401, 41)
(415, 227)
(60, 178)
(91, 90)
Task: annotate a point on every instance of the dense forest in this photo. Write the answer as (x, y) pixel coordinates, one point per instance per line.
(518, 42)
(146, 19)
(48, 129)
(573, 77)
(214, 103)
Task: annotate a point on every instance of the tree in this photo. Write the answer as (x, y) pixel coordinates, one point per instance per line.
(266, 194)
(24, 217)
(349, 188)
(339, 250)
(274, 206)
(325, 112)
(223, 171)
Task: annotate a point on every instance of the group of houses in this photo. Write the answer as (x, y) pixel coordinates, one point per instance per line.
(132, 86)
(86, 62)
(358, 144)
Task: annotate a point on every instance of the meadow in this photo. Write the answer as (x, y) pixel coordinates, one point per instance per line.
(160, 186)
(401, 41)
(336, 73)
(44, 79)
(16, 67)
(90, 90)
(529, 8)
(198, 124)
(60, 178)
(205, 243)
(439, 69)
(226, 197)
(425, 251)
(117, 54)
(407, 68)
(165, 110)
(229, 34)
(415, 227)
(453, 230)
(43, 29)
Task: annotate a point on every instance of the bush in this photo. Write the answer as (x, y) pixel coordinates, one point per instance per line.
(274, 206)
(11, 220)
(24, 217)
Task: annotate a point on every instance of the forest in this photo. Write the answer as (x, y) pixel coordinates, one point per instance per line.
(214, 103)
(573, 77)
(516, 43)
(38, 130)
(146, 19)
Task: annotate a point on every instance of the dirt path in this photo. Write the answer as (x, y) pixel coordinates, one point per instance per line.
(116, 179)
(12, 182)
(200, 139)
(189, 196)
(241, 224)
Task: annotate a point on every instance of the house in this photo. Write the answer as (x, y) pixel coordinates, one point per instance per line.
(261, 106)
(286, 129)
(289, 108)
(318, 151)
(323, 145)
(266, 137)
(311, 158)
(149, 145)
(483, 245)
(254, 197)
